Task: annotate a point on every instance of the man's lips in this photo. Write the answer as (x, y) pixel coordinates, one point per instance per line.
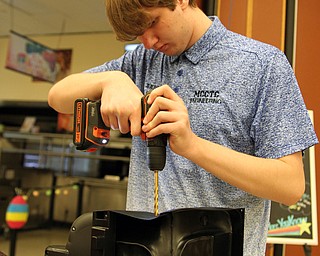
(162, 48)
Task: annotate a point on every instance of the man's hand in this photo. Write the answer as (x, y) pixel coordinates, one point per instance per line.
(169, 115)
(121, 105)
(120, 98)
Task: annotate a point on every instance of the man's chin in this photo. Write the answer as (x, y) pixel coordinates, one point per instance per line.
(172, 52)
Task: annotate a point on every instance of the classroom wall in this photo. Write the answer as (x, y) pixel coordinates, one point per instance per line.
(88, 50)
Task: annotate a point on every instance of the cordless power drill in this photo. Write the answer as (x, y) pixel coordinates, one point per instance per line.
(90, 133)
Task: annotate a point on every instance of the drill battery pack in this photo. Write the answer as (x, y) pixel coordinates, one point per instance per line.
(90, 132)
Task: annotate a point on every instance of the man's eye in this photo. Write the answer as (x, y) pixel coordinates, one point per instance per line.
(153, 22)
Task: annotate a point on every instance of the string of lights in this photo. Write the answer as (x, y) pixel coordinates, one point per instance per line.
(47, 191)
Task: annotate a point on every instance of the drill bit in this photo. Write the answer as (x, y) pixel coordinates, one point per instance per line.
(156, 161)
(156, 193)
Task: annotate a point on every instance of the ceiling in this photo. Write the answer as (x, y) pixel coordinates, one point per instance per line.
(43, 17)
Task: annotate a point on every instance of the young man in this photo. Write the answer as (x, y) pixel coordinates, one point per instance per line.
(235, 117)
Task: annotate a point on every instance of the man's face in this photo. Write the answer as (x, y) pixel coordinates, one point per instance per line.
(169, 33)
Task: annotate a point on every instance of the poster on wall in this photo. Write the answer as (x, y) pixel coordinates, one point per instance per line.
(297, 224)
(63, 64)
(31, 58)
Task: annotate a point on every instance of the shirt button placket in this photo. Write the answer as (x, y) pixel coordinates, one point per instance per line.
(178, 79)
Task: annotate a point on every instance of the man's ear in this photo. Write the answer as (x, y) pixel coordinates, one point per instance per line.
(183, 4)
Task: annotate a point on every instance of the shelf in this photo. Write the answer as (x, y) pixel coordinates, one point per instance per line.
(50, 146)
(65, 139)
(62, 154)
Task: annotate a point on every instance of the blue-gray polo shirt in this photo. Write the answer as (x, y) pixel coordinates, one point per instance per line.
(240, 93)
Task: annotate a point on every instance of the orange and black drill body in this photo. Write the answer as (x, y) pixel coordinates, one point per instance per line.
(89, 132)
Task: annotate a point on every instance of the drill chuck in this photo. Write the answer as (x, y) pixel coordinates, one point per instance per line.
(156, 152)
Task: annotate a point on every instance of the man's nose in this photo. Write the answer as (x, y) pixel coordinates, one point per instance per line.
(148, 39)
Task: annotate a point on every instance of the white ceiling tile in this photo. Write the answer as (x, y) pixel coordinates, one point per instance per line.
(38, 17)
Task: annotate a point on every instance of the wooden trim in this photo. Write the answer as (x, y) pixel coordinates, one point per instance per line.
(283, 25)
(249, 18)
(294, 50)
(291, 31)
(218, 7)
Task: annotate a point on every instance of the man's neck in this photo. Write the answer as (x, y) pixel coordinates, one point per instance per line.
(201, 24)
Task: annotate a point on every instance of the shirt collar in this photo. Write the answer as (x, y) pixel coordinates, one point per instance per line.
(213, 35)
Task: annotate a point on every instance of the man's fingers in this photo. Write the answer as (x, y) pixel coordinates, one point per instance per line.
(114, 123)
(163, 91)
(124, 125)
(135, 124)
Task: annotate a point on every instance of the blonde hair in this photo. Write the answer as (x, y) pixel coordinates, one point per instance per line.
(129, 18)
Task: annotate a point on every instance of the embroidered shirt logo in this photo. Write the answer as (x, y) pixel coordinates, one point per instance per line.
(206, 97)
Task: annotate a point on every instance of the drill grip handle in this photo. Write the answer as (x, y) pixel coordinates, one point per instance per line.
(90, 132)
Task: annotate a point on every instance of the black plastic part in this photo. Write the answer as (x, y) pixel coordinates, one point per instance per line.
(79, 240)
(181, 232)
(56, 250)
(209, 232)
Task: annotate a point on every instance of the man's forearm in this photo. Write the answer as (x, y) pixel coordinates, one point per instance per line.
(280, 180)
(63, 94)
